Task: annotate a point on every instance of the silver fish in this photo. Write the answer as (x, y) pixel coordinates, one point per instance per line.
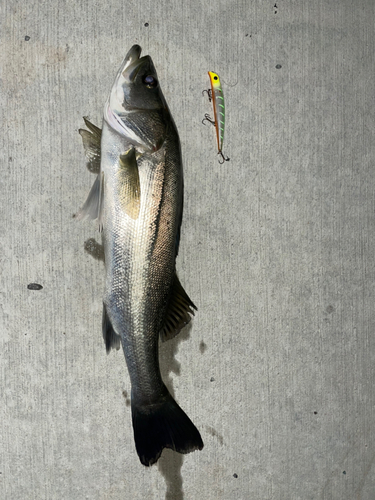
(137, 199)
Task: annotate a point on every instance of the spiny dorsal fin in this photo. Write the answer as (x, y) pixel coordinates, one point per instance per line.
(97, 132)
(111, 339)
(180, 309)
(130, 193)
(91, 143)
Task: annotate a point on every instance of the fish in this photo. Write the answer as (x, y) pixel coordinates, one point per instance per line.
(137, 200)
(216, 95)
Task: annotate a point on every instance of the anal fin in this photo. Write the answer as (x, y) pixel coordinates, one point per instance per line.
(180, 309)
(111, 339)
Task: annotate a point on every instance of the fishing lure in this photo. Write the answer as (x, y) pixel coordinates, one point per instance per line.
(215, 94)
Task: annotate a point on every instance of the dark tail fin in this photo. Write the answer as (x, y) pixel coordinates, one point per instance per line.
(163, 426)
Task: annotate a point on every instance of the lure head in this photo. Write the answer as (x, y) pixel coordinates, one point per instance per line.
(136, 108)
(215, 80)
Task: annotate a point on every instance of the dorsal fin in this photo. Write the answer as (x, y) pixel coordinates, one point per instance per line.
(178, 315)
(92, 208)
(91, 143)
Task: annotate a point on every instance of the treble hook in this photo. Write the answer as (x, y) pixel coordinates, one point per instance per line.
(208, 118)
(223, 157)
(209, 93)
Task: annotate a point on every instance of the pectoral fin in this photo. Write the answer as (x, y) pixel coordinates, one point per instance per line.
(130, 193)
(91, 143)
(180, 309)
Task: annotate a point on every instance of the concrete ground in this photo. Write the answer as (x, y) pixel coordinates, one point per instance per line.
(277, 251)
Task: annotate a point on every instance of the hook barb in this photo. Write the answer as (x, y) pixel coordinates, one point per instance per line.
(209, 93)
(208, 119)
(222, 157)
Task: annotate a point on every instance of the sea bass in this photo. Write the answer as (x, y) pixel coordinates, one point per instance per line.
(137, 199)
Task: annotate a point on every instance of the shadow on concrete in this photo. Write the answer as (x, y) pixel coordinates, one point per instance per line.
(170, 462)
(95, 249)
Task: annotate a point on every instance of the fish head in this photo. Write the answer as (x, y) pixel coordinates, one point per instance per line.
(136, 107)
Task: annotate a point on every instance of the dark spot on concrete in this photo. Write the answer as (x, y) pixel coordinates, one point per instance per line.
(127, 399)
(344, 472)
(330, 309)
(202, 347)
(95, 249)
(10, 158)
(27, 38)
(235, 475)
(146, 25)
(278, 66)
(214, 433)
(212, 379)
(315, 412)
(34, 286)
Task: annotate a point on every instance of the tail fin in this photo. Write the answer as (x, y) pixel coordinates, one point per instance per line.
(163, 426)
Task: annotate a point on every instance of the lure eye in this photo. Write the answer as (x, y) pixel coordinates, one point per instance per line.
(215, 77)
(150, 81)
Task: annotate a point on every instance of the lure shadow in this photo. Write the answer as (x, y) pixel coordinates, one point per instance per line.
(170, 463)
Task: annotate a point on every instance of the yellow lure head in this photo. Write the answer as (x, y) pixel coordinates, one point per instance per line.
(215, 80)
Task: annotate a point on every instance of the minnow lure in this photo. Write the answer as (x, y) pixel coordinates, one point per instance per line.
(215, 94)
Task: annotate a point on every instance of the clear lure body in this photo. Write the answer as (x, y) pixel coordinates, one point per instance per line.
(217, 96)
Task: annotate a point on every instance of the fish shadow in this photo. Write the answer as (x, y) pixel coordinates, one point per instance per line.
(170, 462)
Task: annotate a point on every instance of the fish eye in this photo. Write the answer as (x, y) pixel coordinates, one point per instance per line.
(215, 77)
(150, 81)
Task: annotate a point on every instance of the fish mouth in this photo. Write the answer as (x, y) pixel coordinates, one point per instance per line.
(132, 56)
(133, 63)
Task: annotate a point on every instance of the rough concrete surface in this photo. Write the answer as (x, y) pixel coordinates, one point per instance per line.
(277, 251)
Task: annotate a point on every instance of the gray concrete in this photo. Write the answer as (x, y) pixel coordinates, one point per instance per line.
(277, 251)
